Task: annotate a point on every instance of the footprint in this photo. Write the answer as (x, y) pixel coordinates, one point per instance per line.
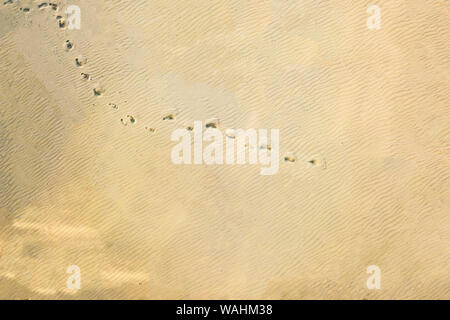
(54, 6)
(128, 120)
(152, 130)
(80, 62)
(113, 105)
(265, 147)
(230, 133)
(317, 161)
(69, 45)
(86, 76)
(131, 118)
(169, 117)
(61, 22)
(98, 92)
(212, 123)
(290, 157)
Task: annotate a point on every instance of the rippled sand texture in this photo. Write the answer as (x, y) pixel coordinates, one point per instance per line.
(86, 176)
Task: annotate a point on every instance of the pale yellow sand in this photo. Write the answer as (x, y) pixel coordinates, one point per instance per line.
(371, 107)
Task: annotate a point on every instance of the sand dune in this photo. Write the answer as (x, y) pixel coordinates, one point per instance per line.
(86, 175)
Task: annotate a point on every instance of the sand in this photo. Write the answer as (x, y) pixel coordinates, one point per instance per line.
(86, 176)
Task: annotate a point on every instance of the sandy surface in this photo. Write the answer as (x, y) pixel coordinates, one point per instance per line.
(364, 117)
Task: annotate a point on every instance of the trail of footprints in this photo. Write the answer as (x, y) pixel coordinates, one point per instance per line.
(42, 5)
(80, 62)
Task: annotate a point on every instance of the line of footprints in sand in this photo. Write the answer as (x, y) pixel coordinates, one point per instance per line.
(130, 119)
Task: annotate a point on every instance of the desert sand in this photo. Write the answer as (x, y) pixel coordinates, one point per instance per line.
(86, 176)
